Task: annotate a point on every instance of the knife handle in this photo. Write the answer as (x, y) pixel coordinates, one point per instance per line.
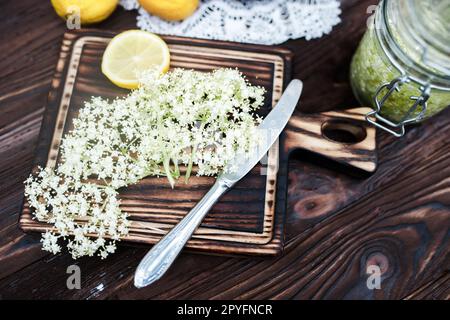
(159, 259)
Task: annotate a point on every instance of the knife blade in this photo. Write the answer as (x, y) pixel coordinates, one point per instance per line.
(159, 259)
(270, 128)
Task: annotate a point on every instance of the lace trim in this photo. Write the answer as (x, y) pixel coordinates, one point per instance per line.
(262, 22)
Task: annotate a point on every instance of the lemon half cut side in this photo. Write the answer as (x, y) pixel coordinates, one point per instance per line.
(132, 52)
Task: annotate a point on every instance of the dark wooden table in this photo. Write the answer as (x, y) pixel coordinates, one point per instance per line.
(399, 218)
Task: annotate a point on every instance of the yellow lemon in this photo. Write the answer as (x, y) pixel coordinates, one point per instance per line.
(132, 52)
(90, 11)
(170, 9)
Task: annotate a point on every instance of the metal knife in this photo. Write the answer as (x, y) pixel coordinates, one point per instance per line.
(159, 259)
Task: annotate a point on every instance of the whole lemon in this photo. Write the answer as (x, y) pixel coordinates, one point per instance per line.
(90, 11)
(170, 9)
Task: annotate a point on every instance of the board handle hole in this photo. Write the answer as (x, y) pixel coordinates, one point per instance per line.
(343, 131)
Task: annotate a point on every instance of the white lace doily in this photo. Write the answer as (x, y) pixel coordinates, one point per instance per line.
(256, 21)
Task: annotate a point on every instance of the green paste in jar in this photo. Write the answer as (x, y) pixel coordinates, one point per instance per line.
(370, 68)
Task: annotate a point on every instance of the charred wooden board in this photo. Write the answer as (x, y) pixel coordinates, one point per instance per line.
(250, 218)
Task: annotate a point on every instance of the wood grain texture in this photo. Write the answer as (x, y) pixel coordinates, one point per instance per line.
(436, 289)
(342, 136)
(399, 217)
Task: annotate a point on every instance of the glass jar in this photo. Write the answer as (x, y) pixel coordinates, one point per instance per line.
(402, 66)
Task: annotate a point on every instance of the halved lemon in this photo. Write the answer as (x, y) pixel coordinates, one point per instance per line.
(131, 53)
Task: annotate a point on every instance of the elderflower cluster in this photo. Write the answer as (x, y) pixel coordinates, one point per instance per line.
(184, 117)
(76, 208)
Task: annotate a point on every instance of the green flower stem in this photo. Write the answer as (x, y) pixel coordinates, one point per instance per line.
(166, 164)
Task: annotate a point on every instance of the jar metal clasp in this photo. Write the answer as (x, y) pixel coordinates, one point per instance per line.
(398, 128)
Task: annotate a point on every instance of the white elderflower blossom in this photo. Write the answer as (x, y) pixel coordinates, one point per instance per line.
(184, 117)
(77, 209)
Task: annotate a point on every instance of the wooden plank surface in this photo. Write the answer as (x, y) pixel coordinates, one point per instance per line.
(398, 218)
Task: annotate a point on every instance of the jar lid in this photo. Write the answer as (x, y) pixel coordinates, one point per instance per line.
(420, 31)
(434, 22)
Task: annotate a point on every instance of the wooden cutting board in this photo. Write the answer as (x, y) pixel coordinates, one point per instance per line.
(249, 219)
